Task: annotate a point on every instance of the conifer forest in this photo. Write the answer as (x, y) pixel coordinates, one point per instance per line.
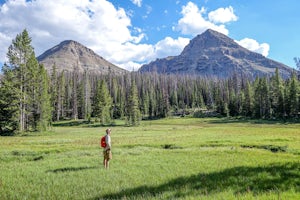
(33, 97)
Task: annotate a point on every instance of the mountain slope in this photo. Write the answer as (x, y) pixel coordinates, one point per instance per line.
(215, 54)
(69, 55)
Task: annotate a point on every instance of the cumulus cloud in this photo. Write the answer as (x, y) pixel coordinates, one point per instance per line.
(4, 42)
(166, 47)
(222, 15)
(101, 26)
(96, 24)
(253, 45)
(170, 47)
(194, 22)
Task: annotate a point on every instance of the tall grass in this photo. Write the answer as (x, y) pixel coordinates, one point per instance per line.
(180, 158)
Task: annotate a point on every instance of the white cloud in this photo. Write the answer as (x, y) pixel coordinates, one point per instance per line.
(166, 47)
(143, 53)
(4, 42)
(170, 47)
(137, 2)
(253, 45)
(193, 22)
(96, 24)
(222, 15)
(130, 66)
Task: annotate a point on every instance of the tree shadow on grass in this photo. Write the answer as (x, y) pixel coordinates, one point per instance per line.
(82, 123)
(70, 123)
(231, 120)
(238, 179)
(70, 169)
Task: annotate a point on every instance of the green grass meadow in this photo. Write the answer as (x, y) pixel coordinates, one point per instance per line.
(176, 158)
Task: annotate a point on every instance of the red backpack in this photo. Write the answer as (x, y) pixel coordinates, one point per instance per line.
(103, 142)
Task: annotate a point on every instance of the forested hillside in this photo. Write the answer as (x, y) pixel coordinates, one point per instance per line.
(163, 95)
(31, 99)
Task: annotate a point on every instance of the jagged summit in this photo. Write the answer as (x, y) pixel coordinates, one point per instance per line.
(209, 39)
(70, 54)
(214, 54)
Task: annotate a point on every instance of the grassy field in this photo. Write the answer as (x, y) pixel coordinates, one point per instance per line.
(180, 158)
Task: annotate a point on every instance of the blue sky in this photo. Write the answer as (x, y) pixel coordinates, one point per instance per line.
(132, 32)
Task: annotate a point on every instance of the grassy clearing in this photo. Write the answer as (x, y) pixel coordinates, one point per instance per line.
(163, 159)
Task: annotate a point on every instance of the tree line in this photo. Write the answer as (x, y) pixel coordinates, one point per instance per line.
(31, 98)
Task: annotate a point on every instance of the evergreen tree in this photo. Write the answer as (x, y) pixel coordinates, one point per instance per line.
(69, 95)
(233, 103)
(44, 100)
(27, 79)
(102, 103)
(61, 96)
(86, 96)
(277, 95)
(221, 103)
(19, 52)
(164, 106)
(133, 112)
(248, 103)
(262, 98)
(75, 88)
(54, 94)
(34, 80)
(9, 104)
(293, 96)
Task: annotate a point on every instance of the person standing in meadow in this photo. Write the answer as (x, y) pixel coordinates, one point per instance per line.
(106, 144)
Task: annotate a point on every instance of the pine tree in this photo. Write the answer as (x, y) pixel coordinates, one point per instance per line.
(54, 94)
(61, 95)
(87, 96)
(293, 97)
(75, 83)
(133, 112)
(44, 100)
(102, 103)
(33, 88)
(26, 80)
(9, 105)
(248, 103)
(262, 98)
(277, 95)
(18, 55)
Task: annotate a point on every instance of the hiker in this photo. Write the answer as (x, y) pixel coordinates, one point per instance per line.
(106, 144)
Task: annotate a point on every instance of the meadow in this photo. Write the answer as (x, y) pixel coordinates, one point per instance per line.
(175, 158)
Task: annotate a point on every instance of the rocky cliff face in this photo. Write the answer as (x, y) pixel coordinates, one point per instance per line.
(215, 54)
(69, 55)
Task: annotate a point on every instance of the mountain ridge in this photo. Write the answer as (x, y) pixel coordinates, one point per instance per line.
(214, 54)
(69, 55)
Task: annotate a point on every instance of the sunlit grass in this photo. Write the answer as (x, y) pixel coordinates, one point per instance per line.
(181, 158)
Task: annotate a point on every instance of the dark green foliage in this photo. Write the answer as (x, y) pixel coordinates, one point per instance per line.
(133, 115)
(25, 105)
(8, 104)
(44, 109)
(102, 103)
(293, 96)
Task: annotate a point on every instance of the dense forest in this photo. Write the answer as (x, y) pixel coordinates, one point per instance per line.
(31, 98)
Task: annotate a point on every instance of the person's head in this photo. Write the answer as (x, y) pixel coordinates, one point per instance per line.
(108, 131)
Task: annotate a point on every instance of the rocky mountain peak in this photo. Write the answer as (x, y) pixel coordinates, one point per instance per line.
(215, 54)
(208, 40)
(70, 55)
